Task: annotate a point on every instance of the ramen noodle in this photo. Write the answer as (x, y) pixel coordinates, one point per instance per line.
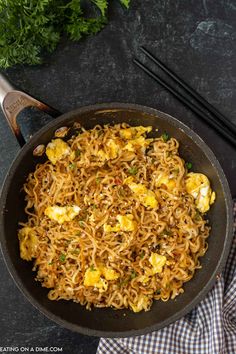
(115, 218)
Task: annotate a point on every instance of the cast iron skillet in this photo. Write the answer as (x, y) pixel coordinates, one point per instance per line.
(108, 322)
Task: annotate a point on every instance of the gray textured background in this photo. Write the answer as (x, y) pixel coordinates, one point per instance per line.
(197, 39)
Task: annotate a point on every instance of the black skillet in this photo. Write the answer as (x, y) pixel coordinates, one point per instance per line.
(108, 322)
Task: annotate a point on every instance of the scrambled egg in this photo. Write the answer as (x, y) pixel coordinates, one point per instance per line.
(137, 142)
(134, 132)
(142, 304)
(157, 261)
(198, 185)
(166, 180)
(134, 137)
(28, 243)
(112, 150)
(57, 149)
(126, 223)
(108, 273)
(62, 214)
(143, 279)
(144, 195)
(93, 277)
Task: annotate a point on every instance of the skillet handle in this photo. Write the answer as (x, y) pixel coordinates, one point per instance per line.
(13, 102)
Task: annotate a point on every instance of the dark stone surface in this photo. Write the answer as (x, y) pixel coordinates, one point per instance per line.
(197, 39)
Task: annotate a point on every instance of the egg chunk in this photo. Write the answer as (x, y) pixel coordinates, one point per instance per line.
(126, 223)
(113, 148)
(198, 185)
(142, 193)
(62, 214)
(164, 179)
(109, 273)
(141, 304)
(110, 151)
(28, 243)
(134, 132)
(139, 142)
(95, 277)
(58, 149)
(157, 261)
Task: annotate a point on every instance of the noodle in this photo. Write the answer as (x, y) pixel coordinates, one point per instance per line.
(110, 221)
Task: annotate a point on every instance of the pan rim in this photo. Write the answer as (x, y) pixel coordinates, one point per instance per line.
(229, 224)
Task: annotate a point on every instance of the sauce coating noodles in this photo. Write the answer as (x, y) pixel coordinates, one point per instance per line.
(111, 221)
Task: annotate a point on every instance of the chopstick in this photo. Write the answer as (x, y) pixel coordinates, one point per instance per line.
(201, 110)
(192, 93)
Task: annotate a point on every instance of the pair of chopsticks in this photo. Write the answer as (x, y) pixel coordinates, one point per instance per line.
(202, 108)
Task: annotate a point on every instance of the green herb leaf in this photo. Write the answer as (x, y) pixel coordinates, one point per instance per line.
(166, 232)
(76, 251)
(50, 263)
(102, 5)
(142, 254)
(124, 282)
(72, 166)
(81, 223)
(133, 170)
(29, 28)
(165, 137)
(126, 3)
(133, 275)
(62, 258)
(197, 217)
(188, 165)
(98, 180)
(157, 292)
(77, 152)
(92, 268)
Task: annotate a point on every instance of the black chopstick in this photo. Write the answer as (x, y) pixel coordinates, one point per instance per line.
(212, 110)
(195, 108)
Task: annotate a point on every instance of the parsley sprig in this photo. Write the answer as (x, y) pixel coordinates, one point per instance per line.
(30, 27)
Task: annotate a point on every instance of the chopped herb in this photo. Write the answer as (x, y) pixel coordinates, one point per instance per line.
(92, 268)
(76, 251)
(98, 180)
(133, 170)
(77, 153)
(197, 217)
(94, 206)
(188, 165)
(157, 292)
(165, 137)
(167, 232)
(124, 282)
(50, 263)
(142, 254)
(62, 258)
(72, 166)
(133, 275)
(81, 223)
(176, 171)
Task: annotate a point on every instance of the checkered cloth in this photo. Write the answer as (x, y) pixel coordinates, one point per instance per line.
(210, 328)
